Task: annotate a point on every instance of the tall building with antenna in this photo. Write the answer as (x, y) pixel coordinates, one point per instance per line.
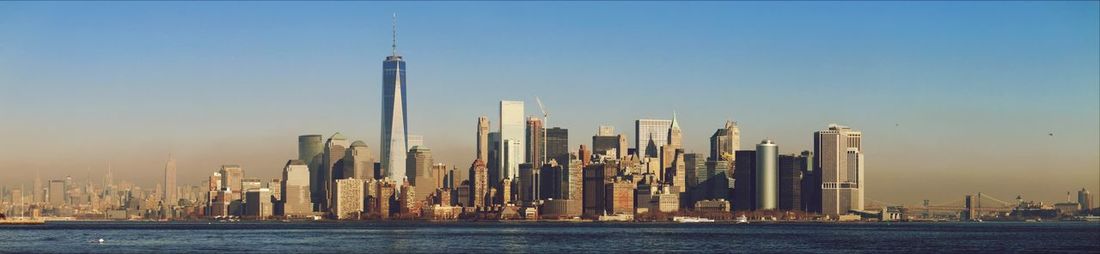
(394, 117)
(170, 195)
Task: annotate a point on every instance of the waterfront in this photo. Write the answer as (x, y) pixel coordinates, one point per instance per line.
(544, 237)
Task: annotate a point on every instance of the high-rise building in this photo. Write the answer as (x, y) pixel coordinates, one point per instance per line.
(557, 145)
(619, 196)
(358, 162)
(695, 170)
(811, 184)
(348, 198)
(573, 181)
(258, 203)
(171, 196)
(650, 135)
(295, 189)
(479, 184)
(839, 160)
(528, 182)
(725, 142)
(675, 135)
(231, 180)
(596, 178)
(551, 180)
(495, 159)
(1084, 198)
(310, 150)
(791, 170)
(602, 144)
(56, 193)
(744, 176)
(395, 122)
(767, 180)
(535, 138)
(335, 148)
(419, 165)
(36, 192)
(483, 138)
(512, 132)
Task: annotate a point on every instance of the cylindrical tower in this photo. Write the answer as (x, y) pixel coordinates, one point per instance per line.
(767, 180)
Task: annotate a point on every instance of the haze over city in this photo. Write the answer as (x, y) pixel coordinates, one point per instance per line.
(952, 98)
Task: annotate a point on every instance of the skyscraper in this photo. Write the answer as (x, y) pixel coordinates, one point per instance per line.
(557, 145)
(479, 184)
(394, 117)
(767, 181)
(650, 135)
(333, 160)
(725, 142)
(839, 160)
(358, 162)
(535, 137)
(310, 150)
(170, 192)
(419, 166)
(231, 180)
(295, 192)
(483, 138)
(1084, 198)
(744, 175)
(791, 169)
(511, 138)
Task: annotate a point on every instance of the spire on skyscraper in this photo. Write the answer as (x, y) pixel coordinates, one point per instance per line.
(394, 34)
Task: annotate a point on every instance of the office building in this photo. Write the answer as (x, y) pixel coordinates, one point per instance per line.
(596, 178)
(791, 169)
(725, 142)
(395, 122)
(811, 184)
(295, 189)
(557, 145)
(766, 175)
(231, 180)
(479, 184)
(529, 179)
(535, 138)
(258, 203)
(650, 135)
(512, 130)
(695, 169)
(310, 150)
(419, 168)
(358, 162)
(495, 160)
(332, 160)
(348, 199)
(483, 138)
(619, 196)
(56, 194)
(839, 160)
(744, 179)
(1085, 199)
(171, 195)
(573, 181)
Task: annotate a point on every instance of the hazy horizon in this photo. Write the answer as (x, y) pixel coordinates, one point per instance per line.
(952, 98)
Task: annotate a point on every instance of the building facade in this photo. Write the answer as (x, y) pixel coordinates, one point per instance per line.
(839, 160)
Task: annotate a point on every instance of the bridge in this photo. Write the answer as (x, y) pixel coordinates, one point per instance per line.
(980, 203)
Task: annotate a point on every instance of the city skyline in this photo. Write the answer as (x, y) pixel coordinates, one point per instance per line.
(900, 147)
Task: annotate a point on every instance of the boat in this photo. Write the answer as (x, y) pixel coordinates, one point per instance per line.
(742, 219)
(686, 219)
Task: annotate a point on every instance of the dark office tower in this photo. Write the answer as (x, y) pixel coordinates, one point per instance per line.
(528, 182)
(811, 184)
(744, 175)
(332, 161)
(310, 150)
(596, 178)
(606, 140)
(483, 138)
(584, 155)
(550, 180)
(535, 138)
(494, 160)
(557, 145)
(725, 142)
(696, 171)
(395, 124)
(791, 169)
(839, 160)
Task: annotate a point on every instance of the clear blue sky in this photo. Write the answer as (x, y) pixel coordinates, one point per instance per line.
(952, 97)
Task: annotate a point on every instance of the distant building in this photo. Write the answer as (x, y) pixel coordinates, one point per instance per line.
(1085, 199)
(619, 197)
(535, 139)
(712, 205)
(573, 181)
(791, 168)
(231, 180)
(56, 194)
(479, 184)
(348, 199)
(650, 135)
(171, 194)
(258, 203)
(725, 142)
(557, 145)
(528, 182)
(839, 160)
(512, 130)
(494, 162)
(310, 151)
(767, 179)
(596, 178)
(332, 161)
(419, 169)
(483, 138)
(358, 162)
(395, 122)
(744, 176)
(295, 189)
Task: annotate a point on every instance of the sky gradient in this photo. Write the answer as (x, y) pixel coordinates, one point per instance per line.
(952, 98)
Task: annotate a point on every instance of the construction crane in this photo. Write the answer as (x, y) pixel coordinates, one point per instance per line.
(545, 124)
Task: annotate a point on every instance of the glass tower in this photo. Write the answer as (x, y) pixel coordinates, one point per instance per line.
(394, 117)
